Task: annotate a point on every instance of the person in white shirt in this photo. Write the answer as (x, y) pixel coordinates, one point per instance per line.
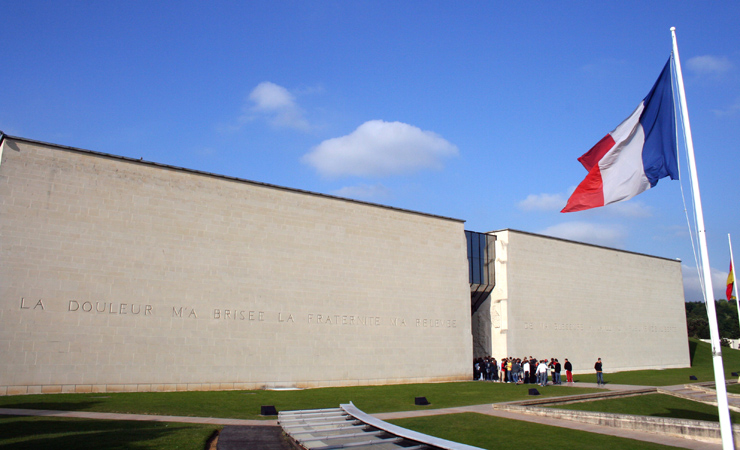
(542, 373)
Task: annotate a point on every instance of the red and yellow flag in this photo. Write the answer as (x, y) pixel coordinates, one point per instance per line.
(730, 284)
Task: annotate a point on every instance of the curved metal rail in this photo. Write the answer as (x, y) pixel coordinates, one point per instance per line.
(348, 427)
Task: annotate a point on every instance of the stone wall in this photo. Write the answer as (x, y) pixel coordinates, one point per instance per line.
(121, 275)
(563, 299)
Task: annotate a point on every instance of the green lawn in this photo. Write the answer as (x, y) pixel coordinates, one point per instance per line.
(52, 433)
(701, 367)
(494, 433)
(246, 404)
(658, 405)
(474, 429)
(666, 405)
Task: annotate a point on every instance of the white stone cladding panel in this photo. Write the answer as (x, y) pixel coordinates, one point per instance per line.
(582, 302)
(498, 300)
(119, 273)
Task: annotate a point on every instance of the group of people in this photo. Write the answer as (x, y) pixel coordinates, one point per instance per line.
(523, 370)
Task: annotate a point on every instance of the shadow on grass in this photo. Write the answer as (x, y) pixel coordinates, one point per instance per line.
(55, 406)
(688, 414)
(33, 433)
(692, 350)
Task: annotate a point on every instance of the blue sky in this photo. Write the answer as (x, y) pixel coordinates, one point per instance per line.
(473, 110)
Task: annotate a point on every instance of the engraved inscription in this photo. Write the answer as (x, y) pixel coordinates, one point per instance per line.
(239, 314)
(183, 312)
(599, 328)
(337, 319)
(109, 308)
(38, 305)
(398, 321)
(436, 323)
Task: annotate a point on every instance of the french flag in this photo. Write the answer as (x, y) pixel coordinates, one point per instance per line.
(632, 158)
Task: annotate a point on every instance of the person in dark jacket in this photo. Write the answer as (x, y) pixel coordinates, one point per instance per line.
(568, 371)
(599, 373)
(489, 369)
(477, 368)
(532, 370)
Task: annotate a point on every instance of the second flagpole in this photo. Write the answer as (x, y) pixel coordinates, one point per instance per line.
(734, 281)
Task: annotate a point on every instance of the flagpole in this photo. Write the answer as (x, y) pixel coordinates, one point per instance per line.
(725, 423)
(734, 281)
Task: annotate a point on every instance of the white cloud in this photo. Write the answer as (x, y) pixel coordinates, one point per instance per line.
(271, 97)
(693, 291)
(556, 202)
(543, 202)
(670, 232)
(277, 105)
(709, 65)
(379, 148)
(732, 109)
(606, 235)
(363, 192)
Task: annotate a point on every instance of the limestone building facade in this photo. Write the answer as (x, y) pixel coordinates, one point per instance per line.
(555, 298)
(123, 275)
(118, 274)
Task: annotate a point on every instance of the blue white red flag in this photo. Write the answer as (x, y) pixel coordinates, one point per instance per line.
(632, 158)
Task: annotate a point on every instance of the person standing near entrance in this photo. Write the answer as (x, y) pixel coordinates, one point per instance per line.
(542, 373)
(599, 373)
(568, 371)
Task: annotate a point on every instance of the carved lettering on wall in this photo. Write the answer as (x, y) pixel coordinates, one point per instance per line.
(235, 314)
(398, 321)
(436, 323)
(38, 305)
(109, 308)
(285, 319)
(598, 327)
(184, 311)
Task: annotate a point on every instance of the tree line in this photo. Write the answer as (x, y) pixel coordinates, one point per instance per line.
(698, 324)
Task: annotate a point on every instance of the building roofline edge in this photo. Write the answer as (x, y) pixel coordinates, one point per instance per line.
(226, 177)
(678, 260)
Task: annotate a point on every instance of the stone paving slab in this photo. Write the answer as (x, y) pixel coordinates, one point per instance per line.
(252, 437)
(699, 395)
(618, 432)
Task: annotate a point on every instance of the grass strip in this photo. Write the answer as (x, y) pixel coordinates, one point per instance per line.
(700, 354)
(495, 433)
(657, 405)
(52, 433)
(246, 404)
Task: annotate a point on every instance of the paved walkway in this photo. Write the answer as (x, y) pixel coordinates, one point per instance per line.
(481, 409)
(703, 392)
(252, 437)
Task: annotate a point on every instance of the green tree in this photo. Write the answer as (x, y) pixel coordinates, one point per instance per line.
(697, 321)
